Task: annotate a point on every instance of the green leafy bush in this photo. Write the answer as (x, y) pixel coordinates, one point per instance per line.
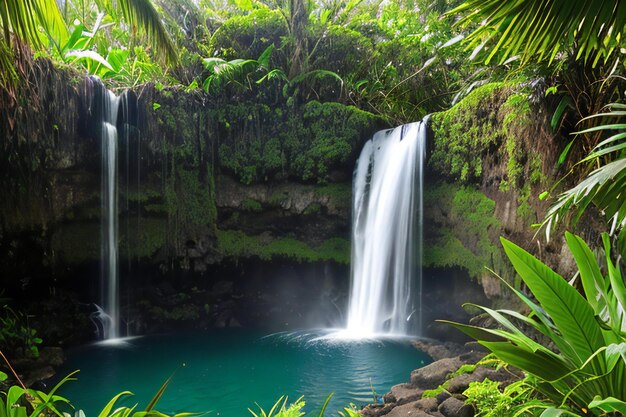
(17, 337)
(586, 371)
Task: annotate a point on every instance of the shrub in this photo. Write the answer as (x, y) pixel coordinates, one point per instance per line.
(587, 369)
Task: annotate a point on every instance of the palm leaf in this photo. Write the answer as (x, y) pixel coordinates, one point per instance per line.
(602, 187)
(539, 29)
(143, 16)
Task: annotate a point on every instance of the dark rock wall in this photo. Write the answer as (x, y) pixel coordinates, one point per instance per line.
(211, 190)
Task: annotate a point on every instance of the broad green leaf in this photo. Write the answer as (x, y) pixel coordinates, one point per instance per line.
(571, 314)
(13, 395)
(564, 104)
(89, 55)
(547, 366)
(590, 275)
(608, 404)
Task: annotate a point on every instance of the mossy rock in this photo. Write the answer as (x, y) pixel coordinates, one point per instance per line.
(258, 143)
(491, 122)
(237, 244)
(462, 230)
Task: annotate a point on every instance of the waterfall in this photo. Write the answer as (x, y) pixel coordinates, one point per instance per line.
(387, 234)
(105, 105)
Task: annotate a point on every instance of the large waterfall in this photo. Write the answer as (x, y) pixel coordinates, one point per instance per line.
(387, 234)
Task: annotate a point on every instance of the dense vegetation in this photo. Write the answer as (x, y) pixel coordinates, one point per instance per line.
(359, 62)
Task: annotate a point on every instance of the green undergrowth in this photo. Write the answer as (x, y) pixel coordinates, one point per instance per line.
(237, 244)
(259, 142)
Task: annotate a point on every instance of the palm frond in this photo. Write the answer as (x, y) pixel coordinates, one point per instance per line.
(141, 15)
(605, 187)
(24, 18)
(541, 29)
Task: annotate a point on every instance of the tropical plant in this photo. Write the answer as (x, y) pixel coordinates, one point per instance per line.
(20, 401)
(532, 30)
(281, 409)
(604, 186)
(16, 335)
(589, 369)
(515, 399)
(238, 72)
(40, 24)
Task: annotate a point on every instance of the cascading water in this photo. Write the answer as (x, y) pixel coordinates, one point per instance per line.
(387, 234)
(105, 109)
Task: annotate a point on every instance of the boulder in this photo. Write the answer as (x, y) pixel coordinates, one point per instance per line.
(433, 375)
(427, 404)
(402, 394)
(460, 383)
(439, 350)
(52, 356)
(453, 407)
(407, 410)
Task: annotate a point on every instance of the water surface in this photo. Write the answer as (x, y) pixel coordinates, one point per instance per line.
(227, 372)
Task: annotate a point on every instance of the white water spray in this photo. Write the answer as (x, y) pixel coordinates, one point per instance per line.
(387, 234)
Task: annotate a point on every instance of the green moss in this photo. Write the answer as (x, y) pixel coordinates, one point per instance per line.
(311, 209)
(258, 142)
(142, 237)
(524, 210)
(339, 194)
(465, 229)
(278, 198)
(237, 244)
(464, 132)
(492, 118)
(516, 110)
(77, 242)
(251, 205)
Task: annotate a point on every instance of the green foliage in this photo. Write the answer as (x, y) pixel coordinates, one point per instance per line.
(602, 187)
(247, 36)
(21, 402)
(17, 337)
(259, 142)
(587, 330)
(343, 51)
(234, 243)
(465, 132)
(534, 30)
(515, 400)
(281, 409)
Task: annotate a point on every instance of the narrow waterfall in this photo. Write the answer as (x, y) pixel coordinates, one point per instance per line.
(387, 234)
(105, 109)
